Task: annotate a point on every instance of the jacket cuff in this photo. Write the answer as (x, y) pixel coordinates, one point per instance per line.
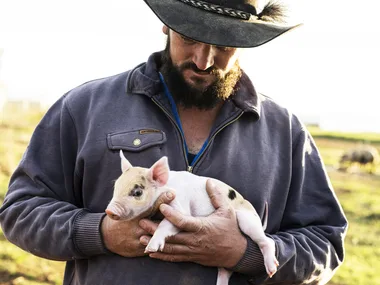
(252, 262)
(87, 235)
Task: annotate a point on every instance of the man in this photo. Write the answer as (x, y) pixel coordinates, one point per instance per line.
(195, 105)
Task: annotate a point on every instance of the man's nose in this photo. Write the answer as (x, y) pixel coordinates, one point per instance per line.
(204, 56)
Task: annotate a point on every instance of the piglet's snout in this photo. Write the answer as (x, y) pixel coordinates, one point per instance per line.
(114, 210)
(112, 215)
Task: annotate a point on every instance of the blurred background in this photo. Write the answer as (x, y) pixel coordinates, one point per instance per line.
(326, 72)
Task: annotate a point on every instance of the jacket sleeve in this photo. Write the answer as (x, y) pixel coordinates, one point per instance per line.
(41, 212)
(310, 242)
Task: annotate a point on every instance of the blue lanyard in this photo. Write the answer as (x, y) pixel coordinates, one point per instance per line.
(176, 116)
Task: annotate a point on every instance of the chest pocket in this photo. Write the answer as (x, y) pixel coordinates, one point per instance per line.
(136, 140)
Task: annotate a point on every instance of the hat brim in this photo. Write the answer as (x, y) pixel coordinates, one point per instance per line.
(213, 28)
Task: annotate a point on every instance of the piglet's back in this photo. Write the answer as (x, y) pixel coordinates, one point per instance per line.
(191, 192)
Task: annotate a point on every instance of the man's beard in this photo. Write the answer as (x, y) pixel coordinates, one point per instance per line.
(189, 96)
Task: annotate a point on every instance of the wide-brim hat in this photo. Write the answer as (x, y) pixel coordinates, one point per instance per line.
(232, 23)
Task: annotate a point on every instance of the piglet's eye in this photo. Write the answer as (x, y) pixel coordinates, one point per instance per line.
(136, 191)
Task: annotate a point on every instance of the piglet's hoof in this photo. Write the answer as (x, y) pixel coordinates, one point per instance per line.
(155, 245)
(149, 250)
(272, 269)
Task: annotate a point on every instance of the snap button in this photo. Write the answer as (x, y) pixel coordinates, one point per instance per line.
(136, 142)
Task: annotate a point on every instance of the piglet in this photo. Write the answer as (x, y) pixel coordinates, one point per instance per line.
(138, 188)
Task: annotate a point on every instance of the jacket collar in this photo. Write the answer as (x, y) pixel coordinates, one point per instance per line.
(144, 79)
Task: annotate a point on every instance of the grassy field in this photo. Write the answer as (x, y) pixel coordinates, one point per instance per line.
(17, 266)
(358, 191)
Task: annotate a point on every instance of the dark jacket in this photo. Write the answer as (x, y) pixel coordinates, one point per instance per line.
(58, 194)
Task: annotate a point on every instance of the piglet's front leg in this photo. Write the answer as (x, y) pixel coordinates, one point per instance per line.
(164, 230)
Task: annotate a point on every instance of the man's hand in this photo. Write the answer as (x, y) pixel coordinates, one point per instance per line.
(122, 237)
(215, 240)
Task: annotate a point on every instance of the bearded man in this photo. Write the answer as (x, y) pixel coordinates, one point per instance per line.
(194, 104)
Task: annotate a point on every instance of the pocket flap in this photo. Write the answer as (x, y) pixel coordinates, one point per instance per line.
(136, 140)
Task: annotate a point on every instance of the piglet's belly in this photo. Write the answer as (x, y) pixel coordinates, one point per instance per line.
(201, 211)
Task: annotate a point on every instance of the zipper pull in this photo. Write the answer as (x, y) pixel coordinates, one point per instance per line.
(190, 169)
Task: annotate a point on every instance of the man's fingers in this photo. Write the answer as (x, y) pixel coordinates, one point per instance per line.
(185, 238)
(182, 238)
(144, 240)
(171, 257)
(183, 222)
(148, 226)
(164, 198)
(216, 195)
(169, 248)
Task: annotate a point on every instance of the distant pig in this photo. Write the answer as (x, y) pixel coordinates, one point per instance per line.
(365, 156)
(138, 188)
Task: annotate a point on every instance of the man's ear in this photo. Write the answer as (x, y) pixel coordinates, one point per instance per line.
(125, 165)
(159, 172)
(165, 30)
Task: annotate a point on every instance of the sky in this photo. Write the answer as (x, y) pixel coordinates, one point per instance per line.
(327, 70)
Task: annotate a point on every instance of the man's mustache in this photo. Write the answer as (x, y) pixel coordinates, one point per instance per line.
(191, 65)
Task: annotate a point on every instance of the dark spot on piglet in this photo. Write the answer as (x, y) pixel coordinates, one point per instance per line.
(231, 194)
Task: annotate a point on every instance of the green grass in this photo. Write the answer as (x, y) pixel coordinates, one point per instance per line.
(16, 265)
(360, 199)
(358, 192)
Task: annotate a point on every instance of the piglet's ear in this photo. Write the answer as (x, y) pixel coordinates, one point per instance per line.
(159, 172)
(125, 165)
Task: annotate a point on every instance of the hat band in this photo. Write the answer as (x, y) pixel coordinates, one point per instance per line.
(218, 9)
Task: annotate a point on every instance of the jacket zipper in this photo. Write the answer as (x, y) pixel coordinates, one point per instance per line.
(178, 129)
(190, 168)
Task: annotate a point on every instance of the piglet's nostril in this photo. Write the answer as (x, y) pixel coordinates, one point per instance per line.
(112, 215)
